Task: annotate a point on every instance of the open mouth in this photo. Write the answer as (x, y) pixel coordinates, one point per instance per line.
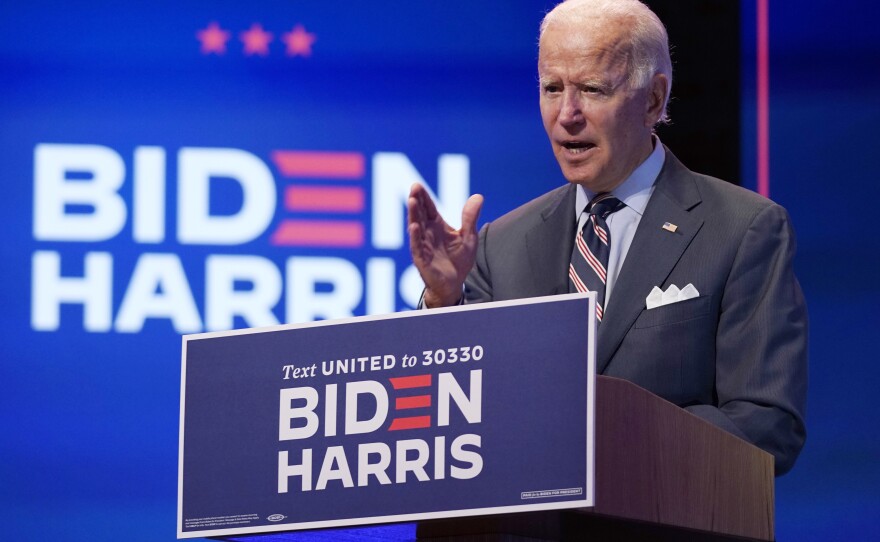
(577, 147)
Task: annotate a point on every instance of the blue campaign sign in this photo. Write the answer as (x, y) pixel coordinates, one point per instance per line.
(427, 414)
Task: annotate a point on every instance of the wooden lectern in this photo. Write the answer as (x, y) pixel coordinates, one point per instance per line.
(662, 474)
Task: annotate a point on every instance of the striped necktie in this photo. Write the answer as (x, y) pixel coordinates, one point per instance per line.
(592, 246)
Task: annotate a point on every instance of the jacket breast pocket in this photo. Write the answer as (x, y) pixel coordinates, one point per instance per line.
(670, 351)
(673, 313)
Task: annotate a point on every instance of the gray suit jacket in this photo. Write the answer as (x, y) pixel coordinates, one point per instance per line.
(735, 356)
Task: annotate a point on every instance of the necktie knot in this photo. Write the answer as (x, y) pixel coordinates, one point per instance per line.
(604, 204)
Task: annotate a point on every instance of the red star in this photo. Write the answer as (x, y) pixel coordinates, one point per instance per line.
(256, 40)
(213, 39)
(299, 42)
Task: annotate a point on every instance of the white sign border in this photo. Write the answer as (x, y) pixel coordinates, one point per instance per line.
(589, 491)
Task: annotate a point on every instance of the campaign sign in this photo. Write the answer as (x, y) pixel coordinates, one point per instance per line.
(439, 413)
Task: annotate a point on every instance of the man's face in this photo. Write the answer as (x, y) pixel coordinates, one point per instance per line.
(599, 129)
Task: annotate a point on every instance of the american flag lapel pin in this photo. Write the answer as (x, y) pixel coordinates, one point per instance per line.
(670, 227)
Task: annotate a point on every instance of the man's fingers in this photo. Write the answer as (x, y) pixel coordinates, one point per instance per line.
(426, 205)
(422, 211)
(471, 213)
(414, 211)
(416, 245)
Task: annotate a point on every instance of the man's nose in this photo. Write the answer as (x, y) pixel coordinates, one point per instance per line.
(571, 113)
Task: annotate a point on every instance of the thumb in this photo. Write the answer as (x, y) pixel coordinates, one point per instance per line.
(471, 213)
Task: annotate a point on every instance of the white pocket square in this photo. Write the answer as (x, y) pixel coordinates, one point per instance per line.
(658, 298)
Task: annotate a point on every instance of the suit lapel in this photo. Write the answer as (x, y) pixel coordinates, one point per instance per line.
(549, 255)
(652, 255)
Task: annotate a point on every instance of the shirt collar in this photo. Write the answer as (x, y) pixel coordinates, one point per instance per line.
(636, 190)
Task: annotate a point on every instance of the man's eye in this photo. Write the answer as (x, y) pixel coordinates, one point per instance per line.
(552, 89)
(590, 89)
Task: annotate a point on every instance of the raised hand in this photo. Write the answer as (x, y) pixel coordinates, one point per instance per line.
(443, 255)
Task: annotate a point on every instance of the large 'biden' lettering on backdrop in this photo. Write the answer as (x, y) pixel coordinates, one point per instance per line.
(85, 194)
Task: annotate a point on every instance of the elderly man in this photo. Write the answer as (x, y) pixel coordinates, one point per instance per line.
(633, 218)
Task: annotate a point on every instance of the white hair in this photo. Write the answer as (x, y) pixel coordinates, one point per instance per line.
(649, 43)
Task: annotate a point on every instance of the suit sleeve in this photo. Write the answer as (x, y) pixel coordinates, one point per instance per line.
(761, 344)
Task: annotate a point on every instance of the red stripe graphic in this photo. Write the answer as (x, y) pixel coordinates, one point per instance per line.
(326, 233)
(416, 401)
(320, 164)
(324, 198)
(599, 312)
(413, 422)
(405, 382)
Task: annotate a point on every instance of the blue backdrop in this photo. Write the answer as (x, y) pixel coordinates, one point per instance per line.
(110, 120)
